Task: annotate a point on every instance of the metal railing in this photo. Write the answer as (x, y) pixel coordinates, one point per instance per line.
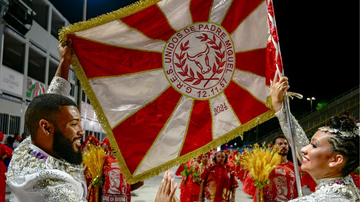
(348, 101)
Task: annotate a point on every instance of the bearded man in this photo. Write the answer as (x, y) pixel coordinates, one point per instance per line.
(46, 167)
(282, 185)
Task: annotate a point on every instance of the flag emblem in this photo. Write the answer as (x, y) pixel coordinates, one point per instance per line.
(199, 60)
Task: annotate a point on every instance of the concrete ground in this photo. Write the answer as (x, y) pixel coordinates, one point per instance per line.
(147, 192)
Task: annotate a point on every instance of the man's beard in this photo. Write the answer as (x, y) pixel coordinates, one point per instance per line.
(283, 153)
(64, 148)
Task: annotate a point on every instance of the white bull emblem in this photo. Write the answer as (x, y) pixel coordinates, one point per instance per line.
(201, 59)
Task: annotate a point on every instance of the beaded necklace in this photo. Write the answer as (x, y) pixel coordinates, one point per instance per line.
(335, 182)
(37, 154)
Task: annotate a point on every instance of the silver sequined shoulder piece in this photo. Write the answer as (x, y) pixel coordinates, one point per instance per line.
(329, 192)
(60, 86)
(50, 183)
(25, 163)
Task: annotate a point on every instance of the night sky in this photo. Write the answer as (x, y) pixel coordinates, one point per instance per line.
(319, 43)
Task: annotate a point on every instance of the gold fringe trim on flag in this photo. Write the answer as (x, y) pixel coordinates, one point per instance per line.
(100, 116)
(105, 18)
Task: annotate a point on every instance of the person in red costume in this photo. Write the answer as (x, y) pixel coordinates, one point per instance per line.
(249, 186)
(186, 170)
(282, 185)
(115, 187)
(196, 175)
(106, 145)
(228, 154)
(5, 152)
(309, 181)
(211, 155)
(241, 174)
(232, 160)
(356, 176)
(218, 181)
(89, 140)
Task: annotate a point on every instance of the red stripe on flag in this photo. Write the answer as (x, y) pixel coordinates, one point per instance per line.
(152, 22)
(252, 61)
(99, 60)
(199, 131)
(245, 106)
(272, 63)
(137, 133)
(237, 12)
(200, 10)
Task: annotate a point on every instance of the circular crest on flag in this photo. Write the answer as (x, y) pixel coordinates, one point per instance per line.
(199, 60)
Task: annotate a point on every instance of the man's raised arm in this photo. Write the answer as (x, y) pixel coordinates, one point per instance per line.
(60, 84)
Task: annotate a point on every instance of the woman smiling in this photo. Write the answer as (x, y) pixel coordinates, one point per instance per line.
(331, 155)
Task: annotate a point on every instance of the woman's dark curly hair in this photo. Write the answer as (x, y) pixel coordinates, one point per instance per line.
(347, 146)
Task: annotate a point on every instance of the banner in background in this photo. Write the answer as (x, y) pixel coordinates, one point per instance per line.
(34, 88)
(11, 81)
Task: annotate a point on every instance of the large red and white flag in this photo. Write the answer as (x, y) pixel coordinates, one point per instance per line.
(172, 79)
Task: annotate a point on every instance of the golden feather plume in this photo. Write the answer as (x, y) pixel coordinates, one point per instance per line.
(260, 162)
(94, 160)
